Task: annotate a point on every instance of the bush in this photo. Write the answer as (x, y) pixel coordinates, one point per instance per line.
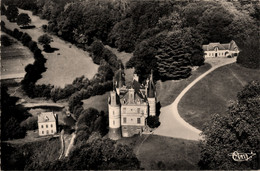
(30, 123)
(5, 41)
(153, 121)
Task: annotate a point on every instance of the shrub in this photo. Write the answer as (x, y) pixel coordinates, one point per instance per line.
(153, 121)
(5, 41)
(30, 123)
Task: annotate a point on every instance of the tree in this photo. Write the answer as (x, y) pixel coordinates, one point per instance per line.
(45, 40)
(12, 13)
(236, 131)
(5, 41)
(23, 19)
(249, 55)
(30, 123)
(153, 121)
(97, 154)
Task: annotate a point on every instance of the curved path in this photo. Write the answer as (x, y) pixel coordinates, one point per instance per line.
(172, 124)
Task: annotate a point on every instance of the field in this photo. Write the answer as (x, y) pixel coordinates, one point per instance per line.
(98, 102)
(213, 93)
(159, 152)
(63, 65)
(14, 58)
(174, 87)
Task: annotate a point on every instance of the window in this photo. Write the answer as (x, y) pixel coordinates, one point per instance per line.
(138, 110)
(51, 125)
(138, 120)
(113, 112)
(47, 132)
(51, 131)
(124, 120)
(42, 132)
(113, 122)
(46, 126)
(124, 110)
(42, 126)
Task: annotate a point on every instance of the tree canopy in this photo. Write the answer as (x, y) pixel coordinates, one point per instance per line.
(23, 19)
(12, 13)
(239, 130)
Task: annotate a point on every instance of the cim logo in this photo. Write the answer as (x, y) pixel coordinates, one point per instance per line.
(239, 157)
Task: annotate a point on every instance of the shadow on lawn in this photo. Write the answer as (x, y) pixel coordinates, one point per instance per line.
(50, 50)
(27, 27)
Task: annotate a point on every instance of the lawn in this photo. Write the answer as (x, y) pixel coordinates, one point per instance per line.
(14, 58)
(167, 91)
(159, 152)
(214, 92)
(98, 102)
(63, 65)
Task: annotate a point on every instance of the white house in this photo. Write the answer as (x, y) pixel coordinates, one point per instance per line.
(47, 123)
(220, 50)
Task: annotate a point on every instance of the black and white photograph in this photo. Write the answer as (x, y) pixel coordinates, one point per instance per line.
(130, 85)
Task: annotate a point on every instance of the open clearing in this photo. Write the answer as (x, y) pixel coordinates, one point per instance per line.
(14, 58)
(62, 69)
(167, 91)
(159, 152)
(98, 102)
(213, 93)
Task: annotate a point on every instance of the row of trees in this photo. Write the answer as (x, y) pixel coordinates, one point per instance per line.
(12, 14)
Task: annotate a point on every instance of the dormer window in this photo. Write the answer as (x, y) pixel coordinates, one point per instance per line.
(216, 48)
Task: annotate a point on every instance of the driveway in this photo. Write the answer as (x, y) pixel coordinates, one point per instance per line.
(172, 124)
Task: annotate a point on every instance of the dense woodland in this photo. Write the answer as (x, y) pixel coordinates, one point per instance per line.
(165, 36)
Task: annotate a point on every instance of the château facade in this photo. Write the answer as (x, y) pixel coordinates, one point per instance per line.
(221, 50)
(129, 106)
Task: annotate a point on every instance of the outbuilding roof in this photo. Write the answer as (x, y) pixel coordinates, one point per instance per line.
(46, 117)
(225, 46)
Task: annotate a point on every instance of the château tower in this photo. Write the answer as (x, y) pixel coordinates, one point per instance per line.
(114, 116)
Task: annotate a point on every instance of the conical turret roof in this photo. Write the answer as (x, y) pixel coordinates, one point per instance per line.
(151, 87)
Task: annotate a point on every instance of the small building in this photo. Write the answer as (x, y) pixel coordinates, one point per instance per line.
(47, 123)
(220, 50)
(129, 107)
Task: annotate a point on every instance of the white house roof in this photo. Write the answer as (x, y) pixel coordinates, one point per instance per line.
(225, 46)
(46, 117)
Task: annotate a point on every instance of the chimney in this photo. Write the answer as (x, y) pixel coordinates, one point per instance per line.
(136, 78)
(131, 95)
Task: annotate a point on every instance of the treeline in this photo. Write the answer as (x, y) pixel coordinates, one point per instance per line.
(11, 117)
(131, 26)
(33, 71)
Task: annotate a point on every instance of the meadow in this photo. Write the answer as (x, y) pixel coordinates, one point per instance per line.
(14, 58)
(214, 93)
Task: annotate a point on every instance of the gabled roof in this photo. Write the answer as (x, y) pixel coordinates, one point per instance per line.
(138, 97)
(225, 46)
(46, 117)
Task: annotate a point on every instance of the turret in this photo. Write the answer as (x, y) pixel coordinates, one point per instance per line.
(151, 96)
(114, 116)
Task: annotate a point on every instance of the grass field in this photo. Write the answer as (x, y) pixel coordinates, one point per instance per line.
(167, 91)
(158, 152)
(14, 58)
(98, 102)
(213, 93)
(63, 65)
